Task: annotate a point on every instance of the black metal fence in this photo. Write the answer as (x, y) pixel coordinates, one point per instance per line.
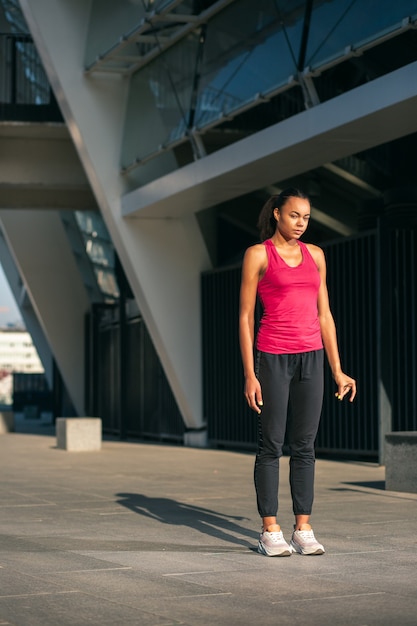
(352, 277)
(373, 294)
(398, 305)
(25, 93)
(126, 385)
(230, 422)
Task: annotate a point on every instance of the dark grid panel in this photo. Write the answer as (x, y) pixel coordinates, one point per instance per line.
(400, 328)
(25, 94)
(108, 382)
(352, 279)
(346, 429)
(149, 407)
(160, 417)
(230, 422)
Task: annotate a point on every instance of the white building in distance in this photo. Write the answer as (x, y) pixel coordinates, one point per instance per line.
(17, 354)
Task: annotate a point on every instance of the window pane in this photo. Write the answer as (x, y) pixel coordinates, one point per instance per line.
(248, 51)
(338, 24)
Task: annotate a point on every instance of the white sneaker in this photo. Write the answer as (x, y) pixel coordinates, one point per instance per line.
(304, 542)
(273, 544)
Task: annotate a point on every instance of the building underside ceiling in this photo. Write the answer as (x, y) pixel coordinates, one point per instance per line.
(42, 169)
(347, 197)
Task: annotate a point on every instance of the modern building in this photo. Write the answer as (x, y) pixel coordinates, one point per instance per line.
(17, 354)
(139, 141)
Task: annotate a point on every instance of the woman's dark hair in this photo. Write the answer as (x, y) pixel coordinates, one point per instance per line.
(266, 221)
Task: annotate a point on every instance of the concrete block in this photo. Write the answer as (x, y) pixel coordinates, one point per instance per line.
(78, 434)
(195, 438)
(401, 461)
(6, 422)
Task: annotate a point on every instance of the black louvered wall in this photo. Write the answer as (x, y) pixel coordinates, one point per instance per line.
(373, 295)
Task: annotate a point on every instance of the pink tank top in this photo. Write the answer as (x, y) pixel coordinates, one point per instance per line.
(289, 323)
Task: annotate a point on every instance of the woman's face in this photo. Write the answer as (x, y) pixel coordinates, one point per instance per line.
(292, 218)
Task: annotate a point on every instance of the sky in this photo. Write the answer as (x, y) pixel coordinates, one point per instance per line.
(9, 312)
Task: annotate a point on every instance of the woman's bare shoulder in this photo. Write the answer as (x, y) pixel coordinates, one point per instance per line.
(256, 249)
(316, 252)
(256, 253)
(313, 248)
(255, 259)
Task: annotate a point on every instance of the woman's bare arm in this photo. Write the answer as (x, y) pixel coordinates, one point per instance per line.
(345, 384)
(254, 264)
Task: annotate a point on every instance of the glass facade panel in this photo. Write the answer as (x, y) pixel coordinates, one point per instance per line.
(107, 282)
(110, 20)
(22, 77)
(159, 102)
(91, 223)
(133, 27)
(99, 249)
(248, 50)
(11, 17)
(244, 52)
(338, 24)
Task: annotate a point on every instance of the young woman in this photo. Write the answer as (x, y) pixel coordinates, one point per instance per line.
(284, 369)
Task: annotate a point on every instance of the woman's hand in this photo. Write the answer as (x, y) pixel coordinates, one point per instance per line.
(253, 393)
(345, 385)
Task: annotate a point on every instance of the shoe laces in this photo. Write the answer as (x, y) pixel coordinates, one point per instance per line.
(307, 534)
(276, 536)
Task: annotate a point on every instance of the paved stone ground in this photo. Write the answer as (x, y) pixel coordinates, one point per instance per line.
(150, 535)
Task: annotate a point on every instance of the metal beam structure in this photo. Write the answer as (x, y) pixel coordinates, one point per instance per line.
(367, 116)
(150, 30)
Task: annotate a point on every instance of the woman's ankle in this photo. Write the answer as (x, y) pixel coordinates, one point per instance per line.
(271, 528)
(302, 522)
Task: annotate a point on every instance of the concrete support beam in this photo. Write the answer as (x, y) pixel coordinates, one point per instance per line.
(26, 310)
(162, 259)
(169, 256)
(45, 262)
(6, 422)
(42, 169)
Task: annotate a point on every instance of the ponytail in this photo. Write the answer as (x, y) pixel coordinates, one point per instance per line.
(266, 222)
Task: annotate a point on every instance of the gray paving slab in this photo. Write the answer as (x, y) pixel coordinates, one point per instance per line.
(146, 534)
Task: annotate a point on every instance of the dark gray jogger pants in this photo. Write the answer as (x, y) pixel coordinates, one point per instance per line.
(292, 391)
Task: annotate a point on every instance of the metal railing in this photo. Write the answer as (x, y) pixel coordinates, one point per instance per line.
(126, 385)
(25, 93)
(352, 429)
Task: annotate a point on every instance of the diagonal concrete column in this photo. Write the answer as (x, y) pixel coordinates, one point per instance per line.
(26, 310)
(167, 255)
(162, 259)
(42, 254)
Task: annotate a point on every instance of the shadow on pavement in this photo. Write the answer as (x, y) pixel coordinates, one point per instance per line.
(375, 484)
(172, 512)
